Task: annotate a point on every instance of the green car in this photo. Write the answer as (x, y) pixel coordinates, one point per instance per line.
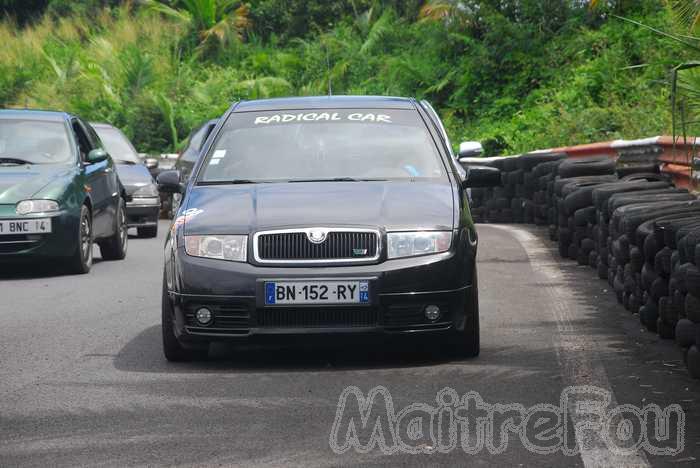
(59, 192)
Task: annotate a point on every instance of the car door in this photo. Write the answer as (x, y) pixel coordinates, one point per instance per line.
(96, 180)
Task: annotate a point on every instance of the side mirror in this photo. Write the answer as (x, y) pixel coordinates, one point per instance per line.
(470, 149)
(169, 182)
(482, 176)
(97, 155)
(151, 163)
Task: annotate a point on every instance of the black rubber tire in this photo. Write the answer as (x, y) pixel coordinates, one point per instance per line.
(668, 311)
(466, 344)
(510, 163)
(659, 289)
(650, 248)
(116, 246)
(662, 262)
(593, 259)
(172, 349)
(80, 261)
(647, 171)
(665, 330)
(691, 308)
(634, 303)
(693, 362)
(585, 216)
(545, 161)
(685, 333)
(692, 280)
(602, 269)
(586, 166)
(147, 232)
(648, 276)
(648, 315)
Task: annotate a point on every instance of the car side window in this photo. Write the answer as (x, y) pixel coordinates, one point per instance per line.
(92, 135)
(84, 144)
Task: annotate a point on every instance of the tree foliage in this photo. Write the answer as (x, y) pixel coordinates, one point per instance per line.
(516, 74)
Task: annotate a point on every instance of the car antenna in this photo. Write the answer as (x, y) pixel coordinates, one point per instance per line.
(328, 65)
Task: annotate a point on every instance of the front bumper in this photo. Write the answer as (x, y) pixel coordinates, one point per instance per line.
(399, 292)
(61, 242)
(143, 212)
(389, 314)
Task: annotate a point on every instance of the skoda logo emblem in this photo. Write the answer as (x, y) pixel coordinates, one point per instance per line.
(317, 236)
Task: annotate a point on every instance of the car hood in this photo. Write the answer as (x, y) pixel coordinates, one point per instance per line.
(133, 176)
(22, 182)
(240, 209)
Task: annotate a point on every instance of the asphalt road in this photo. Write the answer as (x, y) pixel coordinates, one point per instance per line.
(83, 380)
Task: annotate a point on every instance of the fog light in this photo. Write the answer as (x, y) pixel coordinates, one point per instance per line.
(432, 312)
(203, 316)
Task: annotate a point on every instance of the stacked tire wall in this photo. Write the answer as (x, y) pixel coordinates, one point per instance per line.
(631, 225)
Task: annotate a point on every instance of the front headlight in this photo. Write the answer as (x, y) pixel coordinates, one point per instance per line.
(36, 206)
(409, 244)
(232, 248)
(147, 191)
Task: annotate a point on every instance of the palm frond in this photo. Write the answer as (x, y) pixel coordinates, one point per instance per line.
(165, 10)
(686, 13)
(378, 31)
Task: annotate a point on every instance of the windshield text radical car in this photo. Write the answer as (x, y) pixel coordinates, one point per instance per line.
(59, 192)
(323, 215)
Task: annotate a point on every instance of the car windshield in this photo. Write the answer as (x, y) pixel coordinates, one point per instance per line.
(117, 145)
(317, 145)
(34, 142)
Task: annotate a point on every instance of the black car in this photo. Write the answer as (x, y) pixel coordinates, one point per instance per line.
(323, 215)
(188, 158)
(143, 205)
(59, 192)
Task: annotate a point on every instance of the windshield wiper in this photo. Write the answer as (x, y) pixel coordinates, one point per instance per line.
(125, 161)
(230, 182)
(14, 161)
(336, 179)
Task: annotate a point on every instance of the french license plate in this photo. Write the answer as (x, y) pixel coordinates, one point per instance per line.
(316, 292)
(25, 226)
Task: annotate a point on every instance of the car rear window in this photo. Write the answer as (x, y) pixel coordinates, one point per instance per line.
(117, 145)
(323, 144)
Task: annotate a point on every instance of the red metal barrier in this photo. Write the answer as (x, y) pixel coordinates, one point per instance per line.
(676, 160)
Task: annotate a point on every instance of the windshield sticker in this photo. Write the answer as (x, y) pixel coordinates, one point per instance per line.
(322, 117)
(219, 154)
(215, 161)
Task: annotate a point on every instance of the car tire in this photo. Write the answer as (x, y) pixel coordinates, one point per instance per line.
(172, 349)
(115, 247)
(466, 343)
(147, 232)
(81, 260)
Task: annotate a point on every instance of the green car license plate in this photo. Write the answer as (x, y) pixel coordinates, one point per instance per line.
(25, 226)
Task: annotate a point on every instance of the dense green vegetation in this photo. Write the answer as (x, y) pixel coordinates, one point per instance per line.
(516, 74)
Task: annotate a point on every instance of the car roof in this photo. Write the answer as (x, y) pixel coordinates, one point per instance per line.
(29, 114)
(326, 102)
(102, 125)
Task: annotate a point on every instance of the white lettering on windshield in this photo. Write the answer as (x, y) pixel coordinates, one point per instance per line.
(320, 117)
